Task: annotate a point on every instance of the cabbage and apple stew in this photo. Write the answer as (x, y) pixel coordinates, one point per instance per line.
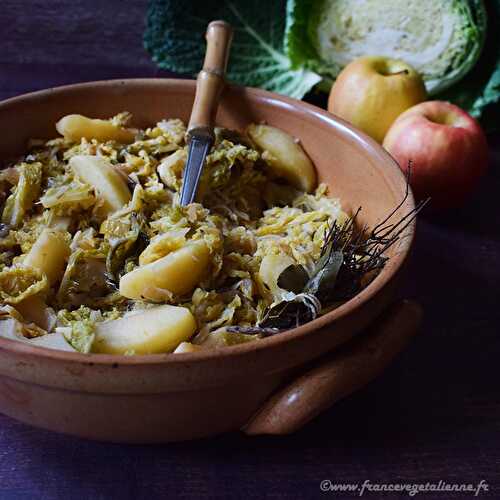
(96, 255)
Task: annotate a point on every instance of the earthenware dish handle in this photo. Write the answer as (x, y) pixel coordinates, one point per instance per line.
(340, 374)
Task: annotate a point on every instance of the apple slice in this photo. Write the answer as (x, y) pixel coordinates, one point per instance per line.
(53, 341)
(106, 181)
(284, 155)
(49, 254)
(187, 347)
(178, 272)
(76, 127)
(153, 331)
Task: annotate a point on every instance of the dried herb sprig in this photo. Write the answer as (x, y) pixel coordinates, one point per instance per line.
(253, 330)
(350, 257)
(303, 308)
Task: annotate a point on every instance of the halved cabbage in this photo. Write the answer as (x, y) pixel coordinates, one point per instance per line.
(441, 39)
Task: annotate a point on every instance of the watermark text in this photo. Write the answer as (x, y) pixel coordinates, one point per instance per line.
(412, 489)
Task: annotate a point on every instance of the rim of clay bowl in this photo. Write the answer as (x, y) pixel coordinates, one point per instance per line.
(388, 272)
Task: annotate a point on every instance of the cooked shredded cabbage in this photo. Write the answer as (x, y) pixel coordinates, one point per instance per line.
(18, 283)
(244, 214)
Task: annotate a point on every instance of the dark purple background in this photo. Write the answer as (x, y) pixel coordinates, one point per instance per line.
(434, 415)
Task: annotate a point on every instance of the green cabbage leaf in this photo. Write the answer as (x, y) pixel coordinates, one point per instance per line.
(291, 46)
(174, 37)
(470, 72)
(23, 194)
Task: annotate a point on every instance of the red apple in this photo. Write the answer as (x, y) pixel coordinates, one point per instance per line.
(447, 149)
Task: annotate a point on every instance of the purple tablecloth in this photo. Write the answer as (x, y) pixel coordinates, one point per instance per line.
(433, 415)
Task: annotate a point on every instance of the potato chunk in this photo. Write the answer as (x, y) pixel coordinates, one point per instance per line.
(178, 272)
(49, 254)
(76, 127)
(284, 155)
(156, 330)
(106, 181)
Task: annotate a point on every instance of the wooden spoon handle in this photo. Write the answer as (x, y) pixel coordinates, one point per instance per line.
(342, 373)
(210, 81)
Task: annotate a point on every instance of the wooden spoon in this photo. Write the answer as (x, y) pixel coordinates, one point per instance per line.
(209, 85)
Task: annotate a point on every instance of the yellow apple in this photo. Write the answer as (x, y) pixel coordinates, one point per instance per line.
(371, 92)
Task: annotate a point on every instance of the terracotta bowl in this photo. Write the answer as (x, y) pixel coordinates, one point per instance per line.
(173, 397)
